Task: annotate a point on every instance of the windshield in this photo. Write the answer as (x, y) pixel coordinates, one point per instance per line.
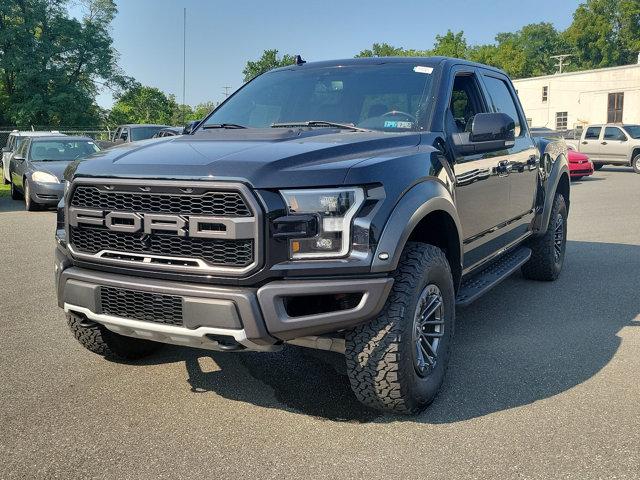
(143, 133)
(61, 150)
(633, 130)
(391, 97)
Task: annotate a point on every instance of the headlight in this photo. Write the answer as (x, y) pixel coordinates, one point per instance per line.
(334, 209)
(44, 177)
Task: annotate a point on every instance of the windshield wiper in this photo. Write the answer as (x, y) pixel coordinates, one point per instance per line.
(319, 123)
(223, 125)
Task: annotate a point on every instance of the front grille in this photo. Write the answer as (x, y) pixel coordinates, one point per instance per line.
(145, 306)
(195, 253)
(211, 203)
(228, 253)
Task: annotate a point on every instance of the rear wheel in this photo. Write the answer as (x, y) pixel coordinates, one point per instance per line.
(635, 163)
(99, 339)
(397, 362)
(548, 250)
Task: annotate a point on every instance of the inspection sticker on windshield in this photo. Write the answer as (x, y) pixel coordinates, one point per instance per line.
(395, 124)
(421, 69)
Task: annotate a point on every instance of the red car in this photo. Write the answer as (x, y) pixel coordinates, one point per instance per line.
(579, 165)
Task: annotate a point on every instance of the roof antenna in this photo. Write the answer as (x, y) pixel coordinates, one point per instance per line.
(299, 60)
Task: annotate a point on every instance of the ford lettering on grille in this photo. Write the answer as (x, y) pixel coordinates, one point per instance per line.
(202, 227)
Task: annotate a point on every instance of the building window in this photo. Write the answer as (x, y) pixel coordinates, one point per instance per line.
(545, 93)
(614, 107)
(561, 120)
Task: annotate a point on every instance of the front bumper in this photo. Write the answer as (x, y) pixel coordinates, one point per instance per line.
(583, 169)
(46, 193)
(252, 318)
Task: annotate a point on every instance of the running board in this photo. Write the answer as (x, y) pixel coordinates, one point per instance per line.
(480, 283)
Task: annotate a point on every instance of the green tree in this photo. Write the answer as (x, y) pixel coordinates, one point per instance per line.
(604, 33)
(142, 104)
(450, 45)
(202, 110)
(268, 61)
(52, 65)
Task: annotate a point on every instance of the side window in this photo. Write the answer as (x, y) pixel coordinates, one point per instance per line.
(465, 102)
(124, 135)
(22, 149)
(10, 141)
(614, 133)
(116, 135)
(593, 133)
(503, 100)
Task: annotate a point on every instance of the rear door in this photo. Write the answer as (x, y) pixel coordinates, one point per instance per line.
(614, 146)
(590, 143)
(522, 159)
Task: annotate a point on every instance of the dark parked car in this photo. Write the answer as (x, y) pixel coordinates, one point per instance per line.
(135, 132)
(169, 132)
(36, 168)
(345, 205)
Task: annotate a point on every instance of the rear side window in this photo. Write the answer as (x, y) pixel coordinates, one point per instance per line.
(593, 133)
(503, 100)
(613, 133)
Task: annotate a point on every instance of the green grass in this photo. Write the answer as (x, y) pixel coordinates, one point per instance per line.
(4, 190)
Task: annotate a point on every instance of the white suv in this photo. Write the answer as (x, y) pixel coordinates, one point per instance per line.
(13, 142)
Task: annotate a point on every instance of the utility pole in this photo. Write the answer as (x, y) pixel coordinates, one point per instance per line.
(226, 91)
(184, 62)
(561, 61)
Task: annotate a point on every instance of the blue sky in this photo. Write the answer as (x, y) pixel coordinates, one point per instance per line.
(222, 36)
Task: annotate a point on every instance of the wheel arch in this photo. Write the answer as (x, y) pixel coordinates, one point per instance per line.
(426, 213)
(634, 153)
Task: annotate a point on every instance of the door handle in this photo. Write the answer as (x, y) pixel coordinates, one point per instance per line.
(603, 143)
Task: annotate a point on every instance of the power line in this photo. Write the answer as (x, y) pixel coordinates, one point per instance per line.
(184, 62)
(561, 60)
(226, 91)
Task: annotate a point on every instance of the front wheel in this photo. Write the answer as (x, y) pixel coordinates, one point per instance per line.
(597, 166)
(29, 203)
(99, 339)
(636, 163)
(397, 362)
(547, 257)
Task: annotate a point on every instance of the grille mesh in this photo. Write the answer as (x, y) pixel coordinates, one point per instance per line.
(229, 253)
(148, 307)
(210, 203)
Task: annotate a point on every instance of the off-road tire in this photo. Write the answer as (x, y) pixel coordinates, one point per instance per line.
(544, 264)
(15, 195)
(635, 163)
(98, 339)
(379, 354)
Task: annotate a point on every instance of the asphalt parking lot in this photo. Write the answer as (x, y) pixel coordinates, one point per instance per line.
(544, 381)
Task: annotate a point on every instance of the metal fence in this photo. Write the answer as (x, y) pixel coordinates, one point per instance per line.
(88, 132)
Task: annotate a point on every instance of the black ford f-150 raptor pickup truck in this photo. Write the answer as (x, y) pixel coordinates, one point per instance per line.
(344, 205)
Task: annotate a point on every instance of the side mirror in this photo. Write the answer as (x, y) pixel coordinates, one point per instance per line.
(190, 127)
(490, 132)
(6, 149)
(18, 158)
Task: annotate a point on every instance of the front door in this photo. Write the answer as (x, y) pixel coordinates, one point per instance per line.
(614, 146)
(482, 188)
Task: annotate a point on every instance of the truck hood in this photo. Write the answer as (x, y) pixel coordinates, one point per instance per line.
(263, 158)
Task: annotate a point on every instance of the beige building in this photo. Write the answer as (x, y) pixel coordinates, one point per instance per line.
(571, 100)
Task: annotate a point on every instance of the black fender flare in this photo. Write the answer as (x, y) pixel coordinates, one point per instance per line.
(418, 202)
(557, 169)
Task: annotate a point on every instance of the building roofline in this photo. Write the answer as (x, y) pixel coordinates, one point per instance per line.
(581, 72)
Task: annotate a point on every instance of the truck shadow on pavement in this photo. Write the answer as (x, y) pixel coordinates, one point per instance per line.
(524, 341)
